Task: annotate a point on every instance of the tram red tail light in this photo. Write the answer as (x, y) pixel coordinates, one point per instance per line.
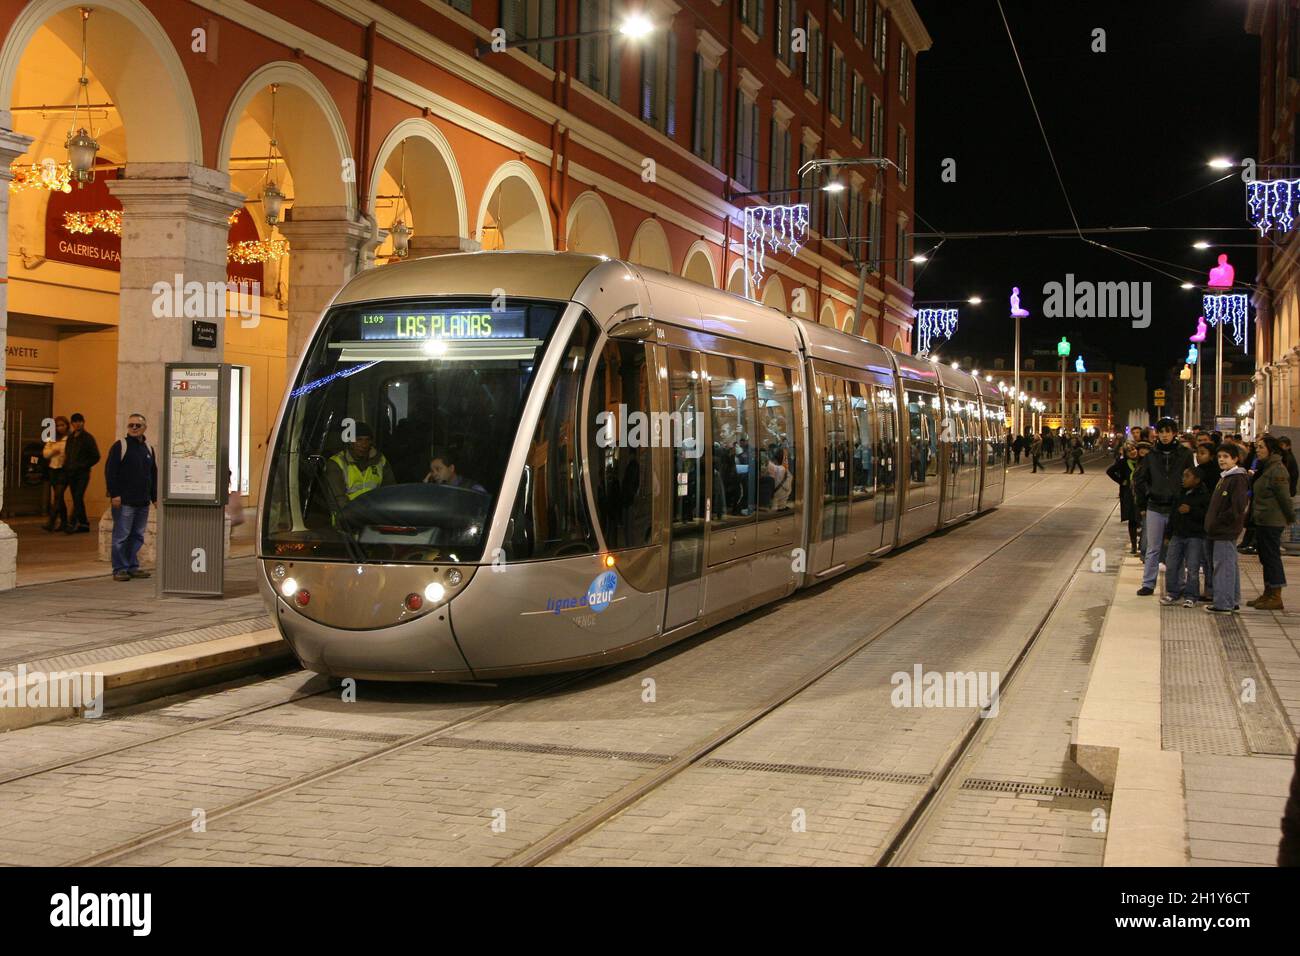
(302, 597)
(414, 602)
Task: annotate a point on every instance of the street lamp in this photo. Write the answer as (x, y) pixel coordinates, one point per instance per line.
(1063, 352)
(635, 26)
(1220, 162)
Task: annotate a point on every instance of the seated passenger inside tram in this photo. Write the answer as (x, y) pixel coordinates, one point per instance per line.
(443, 471)
(359, 468)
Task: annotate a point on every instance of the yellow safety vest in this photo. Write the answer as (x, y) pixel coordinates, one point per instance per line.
(356, 481)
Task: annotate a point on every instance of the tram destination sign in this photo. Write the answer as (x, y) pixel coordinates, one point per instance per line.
(423, 325)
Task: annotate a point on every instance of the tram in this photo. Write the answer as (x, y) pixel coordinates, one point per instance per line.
(505, 463)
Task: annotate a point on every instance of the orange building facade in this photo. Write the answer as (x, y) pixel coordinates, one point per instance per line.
(646, 149)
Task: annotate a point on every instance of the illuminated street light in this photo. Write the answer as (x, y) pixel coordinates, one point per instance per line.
(919, 258)
(1187, 285)
(1220, 162)
(974, 300)
(636, 26)
(1200, 244)
(834, 186)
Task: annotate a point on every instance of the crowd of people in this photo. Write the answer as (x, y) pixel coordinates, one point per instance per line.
(1194, 502)
(1047, 444)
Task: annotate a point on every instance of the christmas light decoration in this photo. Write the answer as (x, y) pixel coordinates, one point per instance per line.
(775, 227)
(84, 223)
(1232, 310)
(1222, 275)
(1201, 331)
(56, 177)
(253, 251)
(932, 324)
(1078, 365)
(1193, 356)
(1272, 202)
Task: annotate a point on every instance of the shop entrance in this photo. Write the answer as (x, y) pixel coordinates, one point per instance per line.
(27, 406)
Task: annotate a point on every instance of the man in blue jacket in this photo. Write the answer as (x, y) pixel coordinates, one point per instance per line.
(131, 473)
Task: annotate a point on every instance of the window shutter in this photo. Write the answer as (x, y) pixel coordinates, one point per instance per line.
(716, 158)
(614, 78)
(739, 145)
(586, 48)
(546, 28)
(760, 10)
(670, 88)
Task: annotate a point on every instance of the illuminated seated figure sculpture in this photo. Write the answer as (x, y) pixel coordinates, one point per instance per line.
(1016, 311)
(1201, 330)
(1221, 275)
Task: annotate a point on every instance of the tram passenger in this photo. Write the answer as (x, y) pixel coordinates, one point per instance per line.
(361, 467)
(779, 476)
(442, 471)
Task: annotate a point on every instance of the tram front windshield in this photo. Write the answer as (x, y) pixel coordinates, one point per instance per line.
(396, 435)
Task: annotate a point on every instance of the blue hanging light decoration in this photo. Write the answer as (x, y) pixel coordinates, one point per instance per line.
(1233, 309)
(932, 324)
(1272, 202)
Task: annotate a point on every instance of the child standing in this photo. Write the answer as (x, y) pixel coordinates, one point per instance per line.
(1186, 540)
(1223, 523)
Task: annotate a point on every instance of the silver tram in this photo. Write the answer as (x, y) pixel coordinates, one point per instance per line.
(633, 458)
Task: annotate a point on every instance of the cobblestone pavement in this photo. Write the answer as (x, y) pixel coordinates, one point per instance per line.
(438, 775)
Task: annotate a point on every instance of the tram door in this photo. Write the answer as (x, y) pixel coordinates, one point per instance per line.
(864, 473)
(886, 448)
(835, 468)
(689, 494)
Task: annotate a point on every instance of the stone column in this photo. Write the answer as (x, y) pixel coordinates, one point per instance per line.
(174, 231)
(326, 249)
(12, 145)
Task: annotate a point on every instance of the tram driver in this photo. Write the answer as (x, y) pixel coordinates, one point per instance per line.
(442, 471)
(361, 467)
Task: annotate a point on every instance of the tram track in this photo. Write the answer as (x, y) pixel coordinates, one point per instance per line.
(560, 837)
(946, 778)
(624, 798)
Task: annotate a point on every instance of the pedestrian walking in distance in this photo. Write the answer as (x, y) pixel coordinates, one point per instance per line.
(1157, 482)
(131, 473)
(1271, 510)
(1223, 523)
(55, 453)
(80, 455)
(1036, 452)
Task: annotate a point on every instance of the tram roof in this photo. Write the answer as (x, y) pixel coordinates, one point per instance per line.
(536, 275)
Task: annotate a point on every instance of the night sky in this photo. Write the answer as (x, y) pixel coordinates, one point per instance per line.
(1132, 130)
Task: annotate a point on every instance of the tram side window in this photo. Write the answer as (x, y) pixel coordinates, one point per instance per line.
(862, 442)
(731, 391)
(777, 471)
(550, 519)
(924, 445)
(620, 445)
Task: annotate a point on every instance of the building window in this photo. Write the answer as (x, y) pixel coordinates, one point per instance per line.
(859, 124)
(751, 15)
(812, 184)
(1095, 386)
(812, 58)
(874, 234)
(522, 19)
(659, 83)
(1096, 407)
(785, 21)
(462, 5)
(599, 58)
(838, 75)
(904, 71)
(902, 154)
(779, 177)
(746, 141)
(1245, 386)
(707, 140)
(901, 262)
(877, 125)
(861, 23)
(879, 48)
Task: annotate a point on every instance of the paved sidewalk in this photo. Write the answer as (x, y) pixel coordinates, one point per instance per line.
(72, 624)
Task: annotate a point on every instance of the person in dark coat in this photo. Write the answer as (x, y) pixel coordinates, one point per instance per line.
(1271, 512)
(1223, 523)
(1288, 850)
(80, 455)
(1121, 472)
(1157, 482)
(131, 473)
(1186, 540)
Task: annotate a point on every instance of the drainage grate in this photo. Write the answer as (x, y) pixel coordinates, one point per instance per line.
(912, 779)
(463, 743)
(1034, 789)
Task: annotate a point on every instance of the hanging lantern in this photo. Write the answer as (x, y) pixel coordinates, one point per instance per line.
(81, 146)
(401, 234)
(272, 203)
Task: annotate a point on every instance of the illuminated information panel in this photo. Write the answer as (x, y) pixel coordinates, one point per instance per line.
(463, 324)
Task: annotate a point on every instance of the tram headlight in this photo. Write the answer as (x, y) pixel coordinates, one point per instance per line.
(279, 572)
(289, 587)
(454, 577)
(434, 592)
